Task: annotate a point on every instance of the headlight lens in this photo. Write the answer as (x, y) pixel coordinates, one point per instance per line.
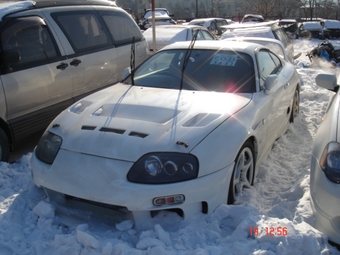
(164, 167)
(330, 161)
(48, 147)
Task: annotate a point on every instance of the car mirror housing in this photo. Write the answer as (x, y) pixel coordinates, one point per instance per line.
(327, 81)
(126, 73)
(270, 83)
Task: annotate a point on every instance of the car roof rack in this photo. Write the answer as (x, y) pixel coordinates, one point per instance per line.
(50, 3)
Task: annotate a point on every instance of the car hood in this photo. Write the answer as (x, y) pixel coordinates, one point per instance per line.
(125, 122)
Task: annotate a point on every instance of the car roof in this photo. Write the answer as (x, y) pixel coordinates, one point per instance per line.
(262, 41)
(7, 8)
(246, 47)
(249, 32)
(331, 24)
(252, 25)
(312, 25)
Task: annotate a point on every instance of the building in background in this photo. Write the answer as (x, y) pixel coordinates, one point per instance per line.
(187, 10)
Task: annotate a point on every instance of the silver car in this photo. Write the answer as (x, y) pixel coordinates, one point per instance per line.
(325, 165)
(54, 53)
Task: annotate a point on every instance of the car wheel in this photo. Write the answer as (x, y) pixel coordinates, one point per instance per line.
(4, 146)
(243, 174)
(295, 107)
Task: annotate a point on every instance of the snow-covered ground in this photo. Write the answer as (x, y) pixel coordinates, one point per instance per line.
(279, 198)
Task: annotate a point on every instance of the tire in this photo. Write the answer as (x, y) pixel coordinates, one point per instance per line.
(4, 146)
(295, 106)
(243, 173)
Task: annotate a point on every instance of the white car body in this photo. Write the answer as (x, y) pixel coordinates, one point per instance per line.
(168, 34)
(215, 25)
(275, 45)
(262, 29)
(325, 181)
(108, 133)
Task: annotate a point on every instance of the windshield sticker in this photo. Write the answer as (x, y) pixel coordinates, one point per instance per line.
(224, 59)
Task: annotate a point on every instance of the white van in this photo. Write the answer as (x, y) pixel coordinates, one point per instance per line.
(54, 53)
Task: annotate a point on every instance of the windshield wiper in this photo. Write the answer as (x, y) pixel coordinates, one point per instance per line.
(187, 57)
(132, 61)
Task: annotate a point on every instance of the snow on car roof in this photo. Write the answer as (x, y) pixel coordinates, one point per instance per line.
(249, 32)
(312, 25)
(167, 33)
(158, 13)
(217, 45)
(10, 7)
(332, 24)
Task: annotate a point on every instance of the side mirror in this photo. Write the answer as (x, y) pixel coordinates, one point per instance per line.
(270, 83)
(126, 73)
(327, 81)
(9, 58)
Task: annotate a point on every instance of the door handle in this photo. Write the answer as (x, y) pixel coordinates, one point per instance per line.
(62, 66)
(286, 85)
(75, 62)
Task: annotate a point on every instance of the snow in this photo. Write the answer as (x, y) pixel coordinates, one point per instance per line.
(332, 24)
(312, 25)
(10, 7)
(279, 198)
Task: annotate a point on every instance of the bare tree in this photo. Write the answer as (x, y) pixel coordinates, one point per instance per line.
(266, 8)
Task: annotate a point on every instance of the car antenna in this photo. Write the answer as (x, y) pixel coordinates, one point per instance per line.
(187, 56)
(132, 61)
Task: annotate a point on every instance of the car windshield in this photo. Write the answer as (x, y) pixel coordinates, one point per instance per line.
(207, 70)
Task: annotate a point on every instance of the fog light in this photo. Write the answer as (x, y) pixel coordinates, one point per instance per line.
(169, 200)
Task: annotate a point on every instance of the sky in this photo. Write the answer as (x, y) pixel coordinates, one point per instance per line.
(279, 198)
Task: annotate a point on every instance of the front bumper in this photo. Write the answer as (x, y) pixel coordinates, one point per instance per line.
(104, 180)
(325, 202)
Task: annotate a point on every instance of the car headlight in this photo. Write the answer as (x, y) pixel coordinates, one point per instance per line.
(330, 161)
(48, 147)
(164, 167)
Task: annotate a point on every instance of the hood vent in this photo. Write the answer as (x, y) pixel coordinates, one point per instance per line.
(136, 134)
(115, 130)
(88, 127)
(112, 130)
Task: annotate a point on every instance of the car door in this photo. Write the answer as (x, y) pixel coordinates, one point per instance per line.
(277, 99)
(37, 87)
(129, 42)
(91, 55)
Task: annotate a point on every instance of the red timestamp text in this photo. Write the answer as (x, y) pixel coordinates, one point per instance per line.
(268, 231)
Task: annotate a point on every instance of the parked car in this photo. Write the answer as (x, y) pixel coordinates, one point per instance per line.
(168, 34)
(311, 29)
(212, 24)
(162, 17)
(252, 18)
(332, 28)
(54, 53)
(186, 131)
(290, 26)
(270, 30)
(325, 167)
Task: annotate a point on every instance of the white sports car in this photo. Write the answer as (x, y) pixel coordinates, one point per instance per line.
(325, 166)
(185, 131)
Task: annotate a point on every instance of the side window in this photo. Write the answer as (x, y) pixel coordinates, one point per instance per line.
(199, 35)
(31, 38)
(207, 35)
(121, 26)
(268, 64)
(83, 29)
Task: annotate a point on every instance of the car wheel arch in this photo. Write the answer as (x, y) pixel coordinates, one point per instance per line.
(248, 147)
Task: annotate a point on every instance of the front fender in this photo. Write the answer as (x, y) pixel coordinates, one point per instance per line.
(219, 149)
